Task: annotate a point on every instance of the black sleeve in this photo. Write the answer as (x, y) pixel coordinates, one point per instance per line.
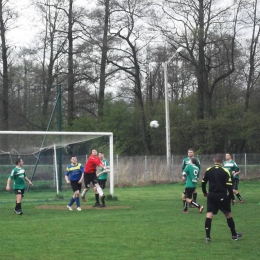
(203, 186)
(230, 192)
(204, 183)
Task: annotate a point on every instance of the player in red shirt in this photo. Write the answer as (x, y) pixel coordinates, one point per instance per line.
(90, 176)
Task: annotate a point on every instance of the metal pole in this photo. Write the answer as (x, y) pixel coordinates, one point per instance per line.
(167, 117)
(60, 129)
(167, 114)
(245, 167)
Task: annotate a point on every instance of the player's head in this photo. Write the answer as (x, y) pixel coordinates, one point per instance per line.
(101, 155)
(190, 152)
(94, 152)
(193, 160)
(73, 159)
(228, 156)
(19, 162)
(218, 158)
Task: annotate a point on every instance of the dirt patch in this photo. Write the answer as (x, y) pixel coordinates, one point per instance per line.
(59, 207)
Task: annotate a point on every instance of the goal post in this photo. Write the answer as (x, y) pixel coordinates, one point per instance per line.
(15, 143)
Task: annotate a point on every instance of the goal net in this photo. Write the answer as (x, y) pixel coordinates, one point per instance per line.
(47, 154)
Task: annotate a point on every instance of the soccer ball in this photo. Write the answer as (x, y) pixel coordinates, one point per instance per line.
(154, 124)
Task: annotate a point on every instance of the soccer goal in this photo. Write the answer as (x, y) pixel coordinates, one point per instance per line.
(46, 154)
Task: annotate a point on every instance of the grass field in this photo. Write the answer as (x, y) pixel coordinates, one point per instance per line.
(145, 223)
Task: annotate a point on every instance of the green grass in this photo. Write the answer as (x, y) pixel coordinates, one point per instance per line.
(144, 223)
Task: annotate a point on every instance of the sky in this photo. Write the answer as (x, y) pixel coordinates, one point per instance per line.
(28, 23)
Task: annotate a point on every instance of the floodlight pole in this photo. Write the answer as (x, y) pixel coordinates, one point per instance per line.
(167, 114)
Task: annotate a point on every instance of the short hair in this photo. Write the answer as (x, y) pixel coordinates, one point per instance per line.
(18, 161)
(193, 160)
(218, 158)
(101, 153)
(72, 156)
(191, 149)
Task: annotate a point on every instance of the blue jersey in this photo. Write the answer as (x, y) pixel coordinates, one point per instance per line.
(75, 171)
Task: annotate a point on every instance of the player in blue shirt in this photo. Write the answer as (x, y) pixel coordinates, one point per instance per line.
(74, 175)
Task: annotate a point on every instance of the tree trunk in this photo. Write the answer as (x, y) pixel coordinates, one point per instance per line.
(5, 97)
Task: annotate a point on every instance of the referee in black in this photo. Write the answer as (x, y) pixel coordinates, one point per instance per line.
(219, 196)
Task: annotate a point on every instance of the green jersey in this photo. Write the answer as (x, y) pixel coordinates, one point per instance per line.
(103, 176)
(187, 161)
(191, 171)
(231, 166)
(18, 175)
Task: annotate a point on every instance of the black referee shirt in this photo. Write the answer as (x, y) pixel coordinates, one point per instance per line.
(219, 179)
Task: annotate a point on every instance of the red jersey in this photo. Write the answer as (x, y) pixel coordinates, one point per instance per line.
(92, 163)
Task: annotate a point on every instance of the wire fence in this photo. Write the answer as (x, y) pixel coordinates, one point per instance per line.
(128, 170)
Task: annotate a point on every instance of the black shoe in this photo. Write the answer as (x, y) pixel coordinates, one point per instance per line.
(103, 205)
(207, 240)
(239, 235)
(18, 212)
(97, 204)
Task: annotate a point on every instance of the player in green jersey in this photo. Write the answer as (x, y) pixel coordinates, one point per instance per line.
(19, 177)
(232, 167)
(102, 179)
(187, 161)
(190, 175)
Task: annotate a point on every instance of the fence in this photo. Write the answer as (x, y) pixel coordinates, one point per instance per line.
(139, 170)
(129, 170)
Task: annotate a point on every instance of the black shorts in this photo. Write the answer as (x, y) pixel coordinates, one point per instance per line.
(188, 192)
(102, 184)
(218, 201)
(19, 191)
(235, 183)
(75, 185)
(90, 178)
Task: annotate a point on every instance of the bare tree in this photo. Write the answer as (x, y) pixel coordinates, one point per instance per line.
(4, 17)
(126, 26)
(206, 32)
(252, 72)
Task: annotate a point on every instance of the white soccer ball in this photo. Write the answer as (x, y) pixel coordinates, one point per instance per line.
(154, 124)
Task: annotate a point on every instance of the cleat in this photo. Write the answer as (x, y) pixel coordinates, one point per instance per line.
(207, 240)
(201, 209)
(69, 207)
(235, 238)
(18, 212)
(83, 198)
(241, 201)
(78, 208)
(185, 211)
(102, 205)
(96, 204)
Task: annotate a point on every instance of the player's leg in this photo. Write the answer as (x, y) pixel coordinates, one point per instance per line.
(18, 204)
(102, 184)
(76, 194)
(100, 191)
(208, 221)
(72, 200)
(212, 208)
(96, 197)
(189, 192)
(87, 179)
(226, 209)
(231, 225)
(183, 196)
(235, 190)
(194, 195)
